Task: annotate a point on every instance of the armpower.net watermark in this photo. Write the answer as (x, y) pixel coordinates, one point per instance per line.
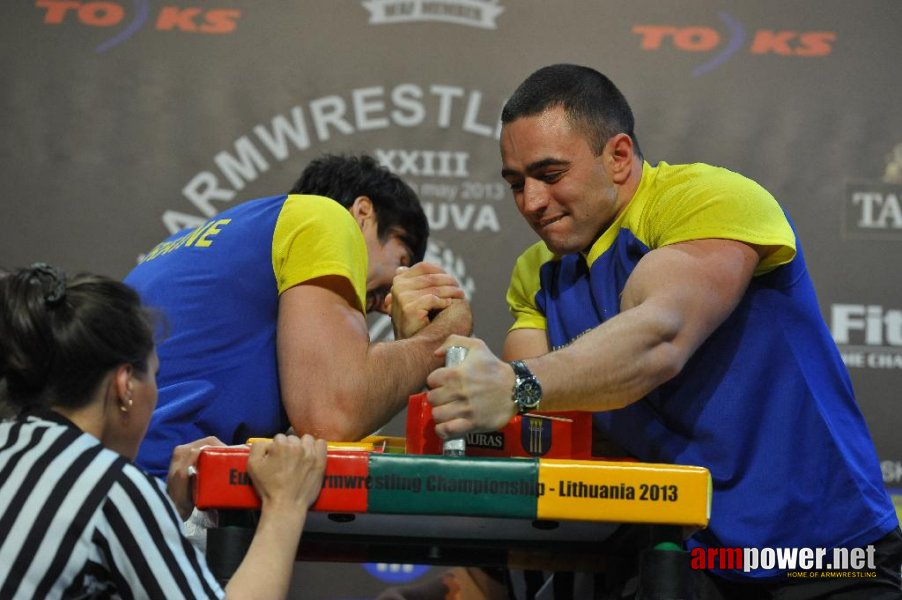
(801, 563)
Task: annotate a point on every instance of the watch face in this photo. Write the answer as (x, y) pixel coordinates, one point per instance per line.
(529, 393)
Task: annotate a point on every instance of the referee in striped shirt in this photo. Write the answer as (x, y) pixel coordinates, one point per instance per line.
(78, 519)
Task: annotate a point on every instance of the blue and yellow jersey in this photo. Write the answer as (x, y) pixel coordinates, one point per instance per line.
(217, 287)
(672, 204)
(759, 401)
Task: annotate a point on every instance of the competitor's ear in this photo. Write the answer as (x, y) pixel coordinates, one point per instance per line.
(362, 210)
(619, 154)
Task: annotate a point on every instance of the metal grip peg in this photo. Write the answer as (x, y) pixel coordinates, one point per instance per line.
(455, 446)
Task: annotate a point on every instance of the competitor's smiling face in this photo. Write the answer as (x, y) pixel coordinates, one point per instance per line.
(562, 189)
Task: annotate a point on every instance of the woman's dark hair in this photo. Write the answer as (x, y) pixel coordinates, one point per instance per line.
(345, 178)
(59, 337)
(592, 102)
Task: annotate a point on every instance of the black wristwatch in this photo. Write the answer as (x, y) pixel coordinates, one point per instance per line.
(527, 393)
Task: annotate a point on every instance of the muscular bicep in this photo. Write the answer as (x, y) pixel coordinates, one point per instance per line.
(322, 345)
(690, 288)
(525, 343)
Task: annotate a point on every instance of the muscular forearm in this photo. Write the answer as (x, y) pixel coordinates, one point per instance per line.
(674, 300)
(614, 364)
(395, 370)
(607, 368)
(373, 383)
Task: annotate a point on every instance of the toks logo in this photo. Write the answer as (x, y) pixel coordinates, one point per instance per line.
(704, 39)
(112, 14)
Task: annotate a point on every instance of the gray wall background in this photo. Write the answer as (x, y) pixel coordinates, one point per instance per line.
(124, 120)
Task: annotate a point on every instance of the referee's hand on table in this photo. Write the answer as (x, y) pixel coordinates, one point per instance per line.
(181, 467)
(287, 471)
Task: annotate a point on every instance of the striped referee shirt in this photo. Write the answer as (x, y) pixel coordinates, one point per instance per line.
(79, 520)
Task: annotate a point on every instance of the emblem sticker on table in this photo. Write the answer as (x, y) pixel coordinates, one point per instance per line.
(535, 435)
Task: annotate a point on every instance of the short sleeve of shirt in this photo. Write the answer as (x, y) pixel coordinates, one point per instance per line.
(690, 202)
(521, 295)
(315, 236)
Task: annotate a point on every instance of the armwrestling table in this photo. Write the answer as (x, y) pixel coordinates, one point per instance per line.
(398, 500)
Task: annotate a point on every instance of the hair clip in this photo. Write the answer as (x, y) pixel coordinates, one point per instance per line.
(57, 292)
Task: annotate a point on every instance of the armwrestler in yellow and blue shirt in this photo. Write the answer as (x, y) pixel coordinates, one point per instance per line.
(787, 484)
(218, 288)
(263, 302)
